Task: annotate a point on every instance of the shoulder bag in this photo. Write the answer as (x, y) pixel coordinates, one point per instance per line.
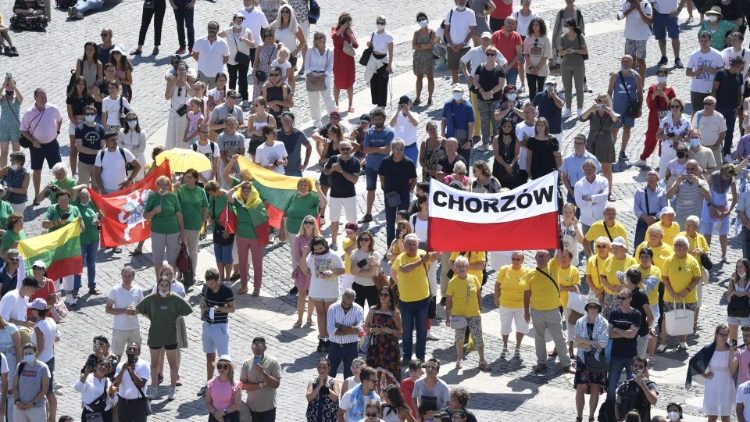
(316, 81)
(606, 229)
(595, 360)
(348, 47)
(262, 75)
(98, 406)
(554, 283)
(124, 112)
(239, 57)
(580, 45)
(634, 107)
(140, 391)
(739, 306)
(380, 280)
(25, 143)
(706, 261)
(367, 53)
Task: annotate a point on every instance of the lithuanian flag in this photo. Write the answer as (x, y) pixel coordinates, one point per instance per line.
(275, 189)
(60, 250)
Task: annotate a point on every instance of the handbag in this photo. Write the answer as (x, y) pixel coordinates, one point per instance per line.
(679, 322)
(595, 360)
(313, 13)
(380, 280)
(580, 45)
(124, 111)
(97, 406)
(184, 263)
(239, 57)
(262, 75)
(349, 49)
(392, 199)
(149, 411)
(367, 53)
(25, 143)
(706, 261)
(182, 110)
(633, 109)
(59, 311)
(316, 81)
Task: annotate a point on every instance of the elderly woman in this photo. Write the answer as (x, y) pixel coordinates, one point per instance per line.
(602, 118)
(60, 182)
(304, 202)
(167, 225)
(163, 309)
(251, 217)
(681, 275)
(715, 213)
(596, 266)
(661, 250)
(738, 292)
(509, 290)
(224, 393)
(591, 336)
(717, 362)
(462, 310)
(322, 395)
(698, 247)
(618, 262)
(96, 392)
(307, 231)
(484, 181)
(318, 71)
(383, 324)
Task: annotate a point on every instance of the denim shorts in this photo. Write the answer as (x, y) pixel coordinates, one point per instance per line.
(371, 176)
(223, 253)
(663, 24)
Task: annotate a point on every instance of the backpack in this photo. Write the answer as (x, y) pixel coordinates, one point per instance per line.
(128, 166)
(213, 145)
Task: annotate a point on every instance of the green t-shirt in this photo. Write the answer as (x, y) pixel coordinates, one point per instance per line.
(248, 219)
(298, 208)
(66, 184)
(90, 233)
(192, 202)
(5, 211)
(216, 205)
(54, 212)
(163, 313)
(164, 222)
(11, 238)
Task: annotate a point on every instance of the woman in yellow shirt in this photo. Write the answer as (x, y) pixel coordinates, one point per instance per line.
(670, 227)
(618, 262)
(661, 250)
(568, 279)
(681, 278)
(509, 289)
(595, 266)
(477, 262)
(698, 246)
(462, 310)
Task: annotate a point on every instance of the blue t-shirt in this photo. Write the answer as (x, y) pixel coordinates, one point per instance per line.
(376, 139)
(549, 110)
(458, 116)
(91, 137)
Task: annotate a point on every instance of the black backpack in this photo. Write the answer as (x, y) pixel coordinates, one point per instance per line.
(128, 166)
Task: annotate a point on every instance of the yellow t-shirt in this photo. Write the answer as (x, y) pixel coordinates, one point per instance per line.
(566, 277)
(596, 266)
(597, 229)
(512, 285)
(412, 286)
(464, 294)
(652, 271)
(697, 242)
(661, 254)
(473, 257)
(669, 232)
(681, 273)
(612, 266)
(544, 294)
(346, 244)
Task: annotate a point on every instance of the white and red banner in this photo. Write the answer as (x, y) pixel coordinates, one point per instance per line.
(520, 219)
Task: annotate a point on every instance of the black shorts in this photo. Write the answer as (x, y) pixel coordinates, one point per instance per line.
(49, 152)
(167, 347)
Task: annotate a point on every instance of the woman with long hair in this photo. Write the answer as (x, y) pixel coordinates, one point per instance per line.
(394, 406)
(715, 214)
(431, 152)
(484, 181)
(291, 35)
(319, 65)
(537, 51)
(738, 291)
(133, 138)
(223, 240)
(308, 229)
(224, 393)
(322, 395)
(344, 43)
(265, 53)
(544, 151)
(89, 67)
(572, 50)
(10, 109)
(178, 92)
(259, 119)
(383, 324)
(506, 150)
(423, 59)
(658, 99)
(279, 95)
(717, 362)
(77, 100)
(365, 264)
(123, 71)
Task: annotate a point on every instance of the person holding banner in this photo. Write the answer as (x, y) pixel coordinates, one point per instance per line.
(569, 279)
(463, 310)
(223, 240)
(509, 291)
(251, 216)
(167, 227)
(89, 238)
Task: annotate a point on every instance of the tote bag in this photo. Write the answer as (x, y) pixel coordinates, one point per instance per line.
(679, 322)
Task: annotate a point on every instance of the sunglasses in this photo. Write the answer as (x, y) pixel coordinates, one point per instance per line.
(490, 54)
(675, 107)
(344, 149)
(371, 415)
(222, 366)
(708, 103)
(622, 298)
(274, 74)
(384, 295)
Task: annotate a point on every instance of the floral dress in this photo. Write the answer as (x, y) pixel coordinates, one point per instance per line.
(432, 158)
(267, 54)
(383, 353)
(10, 120)
(321, 408)
(423, 61)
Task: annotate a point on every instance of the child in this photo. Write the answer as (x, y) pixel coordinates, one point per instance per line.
(349, 244)
(407, 384)
(9, 49)
(570, 231)
(195, 120)
(287, 71)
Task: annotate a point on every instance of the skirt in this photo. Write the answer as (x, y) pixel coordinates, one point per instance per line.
(584, 376)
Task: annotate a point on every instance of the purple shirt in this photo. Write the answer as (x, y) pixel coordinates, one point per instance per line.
(42, 125)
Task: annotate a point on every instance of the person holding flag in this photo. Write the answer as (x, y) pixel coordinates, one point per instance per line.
(58, 216)
(251, 232)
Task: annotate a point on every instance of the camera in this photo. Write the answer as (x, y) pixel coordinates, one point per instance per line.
(325, 390)
(65, 216)
(54, 188)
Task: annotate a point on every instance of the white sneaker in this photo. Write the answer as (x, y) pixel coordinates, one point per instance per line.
(640, 163)
(170, 397)
(579, 112)
(482, 147)
(566, 113)
(728, 158)
(431, 336)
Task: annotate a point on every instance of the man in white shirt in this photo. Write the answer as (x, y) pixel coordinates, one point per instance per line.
(13, 305)
(460, 24)
(404, 126)
(469, 63)
(737, 50)
(638, 16)
(255, 20)
(211, 53)
(702, 67)
(591, 195)
(111, 166)
(121, 303)
(131, 378)
(271, 154)
(712, 126)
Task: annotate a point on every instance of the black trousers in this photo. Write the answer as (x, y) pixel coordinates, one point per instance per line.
(536, 84)
(379, 87)
(238, 74)
(184, 18)
(157, 12)
(267, 416)
(369, 293)
(132, 410)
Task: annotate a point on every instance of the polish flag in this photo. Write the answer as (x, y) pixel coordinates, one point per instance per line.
(523, 218)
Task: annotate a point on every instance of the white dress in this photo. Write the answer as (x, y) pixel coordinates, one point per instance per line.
(568, 234)
(720, 392)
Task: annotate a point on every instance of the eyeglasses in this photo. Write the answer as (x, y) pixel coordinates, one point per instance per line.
(91, 114)
(222, 366)
(12, 259)
(344, 149)
(274, 74)
(489, 54)
(601, 246)
(371, 415)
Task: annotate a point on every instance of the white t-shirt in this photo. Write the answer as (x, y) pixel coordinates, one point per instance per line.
(254, 21)
(710, 127)
(122, 298)
(460, 23)
(284, 66)
(112, 108)
(728, 54)
(380, 42)
(323, 288)
(346, 403)
(267, 155)
(211, 55)
(210, 150)
(48, 327)
(743, 397)
(523, 129)
(405, 130)
(635, 27)
(13, 305)
(704, 82)
(113, 167)
(175, 287)
(523, 22)
(666, 6)
(234, 41)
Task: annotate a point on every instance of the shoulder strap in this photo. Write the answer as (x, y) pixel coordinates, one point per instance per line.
(101, 155)
(195, 147)
(606, 229)
(213, 145)
(450, 17)
(625, 85)
(20, 368)
(122, 152)
(645, 196)
(550, 279)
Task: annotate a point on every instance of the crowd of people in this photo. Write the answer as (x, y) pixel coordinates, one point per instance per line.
(607, 298)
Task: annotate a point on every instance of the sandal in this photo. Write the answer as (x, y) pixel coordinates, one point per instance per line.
(242, 291)
(297, 324)
(458, 364)
(310, 323)
(416, 102)
(136, 52)
(483, 366)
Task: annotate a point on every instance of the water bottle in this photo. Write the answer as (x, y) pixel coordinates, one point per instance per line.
(211, 312)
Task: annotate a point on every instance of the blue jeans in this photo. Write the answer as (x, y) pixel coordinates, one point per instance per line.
(616, 365)
(510, 76)
(745, 237)
(414, 315)
(88, 255)
(341, 353)
(84, 6)
(640, 234)
(390, 217)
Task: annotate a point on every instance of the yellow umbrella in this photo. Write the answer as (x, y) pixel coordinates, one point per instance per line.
(180, 160)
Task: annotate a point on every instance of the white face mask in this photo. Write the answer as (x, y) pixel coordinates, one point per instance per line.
(511, 97)
(237, 26)
(132, 123)
(163, 294)
(89, 119)
(695, 143)
(29, 358)
(742, 274)
(423, 23)
(457, 96)
(673, 416)
(381, 27)
(713, 18)
(565, 30)
(661, 79)
(15, 167)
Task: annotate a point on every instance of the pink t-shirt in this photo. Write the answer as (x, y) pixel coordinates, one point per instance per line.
(743, 358)
(407, 388)
(222, 392)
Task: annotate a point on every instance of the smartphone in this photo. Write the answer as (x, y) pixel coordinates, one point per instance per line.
(131, 359)
(257, 360)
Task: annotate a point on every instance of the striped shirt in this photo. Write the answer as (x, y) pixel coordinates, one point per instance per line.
(353, 317)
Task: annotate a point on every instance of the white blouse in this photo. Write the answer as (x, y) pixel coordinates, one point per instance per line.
(317, 62)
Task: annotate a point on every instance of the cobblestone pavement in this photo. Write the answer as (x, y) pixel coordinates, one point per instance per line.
(510, 390)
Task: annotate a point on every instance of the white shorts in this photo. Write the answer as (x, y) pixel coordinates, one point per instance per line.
(657, 315)
(348, 204)
(507, 316)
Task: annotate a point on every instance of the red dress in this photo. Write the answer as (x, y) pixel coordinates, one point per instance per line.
(654, 107)
(343, 64)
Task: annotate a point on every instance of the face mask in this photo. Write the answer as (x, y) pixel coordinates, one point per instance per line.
(713, 19)
(237, 25)
(132, 123)
(661, 79)
(15, 167)
(694, 143)
(423, 24)
(673, 416)
(457, 96)
(511, 97)
(10, 93)
(250, 8)
(741, 274)
(565, 30)
(163, 294)
(681, 154)
(29, 358)
(89, 119)
(381, 27)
